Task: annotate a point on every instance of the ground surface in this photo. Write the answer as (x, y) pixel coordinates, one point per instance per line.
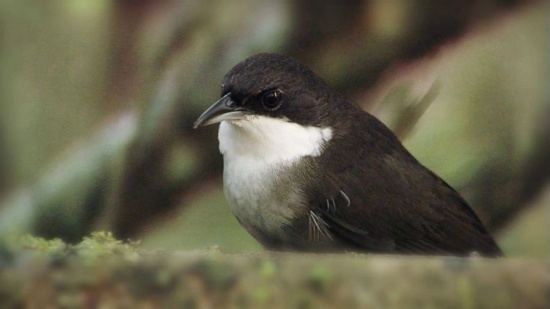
(106, 272)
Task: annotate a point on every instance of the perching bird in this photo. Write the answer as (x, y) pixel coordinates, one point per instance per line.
(305, 169)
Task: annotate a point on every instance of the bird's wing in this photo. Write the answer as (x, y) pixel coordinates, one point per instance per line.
(406, 226)
(383, 200)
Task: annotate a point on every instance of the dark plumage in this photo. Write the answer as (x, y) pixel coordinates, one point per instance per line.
(365, 191)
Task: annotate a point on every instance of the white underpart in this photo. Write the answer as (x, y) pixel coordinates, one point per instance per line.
(255, 150)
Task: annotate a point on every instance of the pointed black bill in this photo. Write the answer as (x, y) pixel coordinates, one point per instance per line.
(223, 109)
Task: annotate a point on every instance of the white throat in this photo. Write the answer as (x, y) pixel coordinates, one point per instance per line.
(256, 151)
(270, 140)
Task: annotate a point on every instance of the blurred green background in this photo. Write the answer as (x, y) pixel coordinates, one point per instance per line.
(98, 97)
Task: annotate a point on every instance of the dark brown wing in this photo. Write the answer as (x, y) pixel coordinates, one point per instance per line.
(381, 199)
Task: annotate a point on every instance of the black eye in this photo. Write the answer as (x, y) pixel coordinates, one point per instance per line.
(271, 100)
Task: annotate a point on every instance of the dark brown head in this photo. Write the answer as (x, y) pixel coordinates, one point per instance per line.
(276, 86)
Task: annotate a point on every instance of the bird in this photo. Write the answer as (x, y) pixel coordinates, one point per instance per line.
(306, 170)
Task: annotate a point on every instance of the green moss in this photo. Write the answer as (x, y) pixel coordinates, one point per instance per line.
(41, 245)
(319, 278)
(98, 245)
(261, 294)
(102, 244)
(215, 274)
(268, 269)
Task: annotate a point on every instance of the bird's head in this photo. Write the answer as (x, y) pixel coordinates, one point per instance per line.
(271, 86)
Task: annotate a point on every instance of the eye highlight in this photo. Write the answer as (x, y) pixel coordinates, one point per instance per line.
(224, 90)
(271, 99)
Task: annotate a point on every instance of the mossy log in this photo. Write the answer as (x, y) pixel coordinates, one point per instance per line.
(111, 274)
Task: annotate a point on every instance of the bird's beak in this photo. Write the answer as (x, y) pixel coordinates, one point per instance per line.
(224, 109)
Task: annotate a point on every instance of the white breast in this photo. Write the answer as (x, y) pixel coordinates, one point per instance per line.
(258, 153)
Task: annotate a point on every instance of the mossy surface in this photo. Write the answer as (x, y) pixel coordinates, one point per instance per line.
(104, 271)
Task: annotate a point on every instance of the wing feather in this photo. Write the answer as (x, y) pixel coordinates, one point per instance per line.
(381, 199)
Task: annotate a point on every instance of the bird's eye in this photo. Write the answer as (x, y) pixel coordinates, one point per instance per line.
(224, 90)
(271, 100)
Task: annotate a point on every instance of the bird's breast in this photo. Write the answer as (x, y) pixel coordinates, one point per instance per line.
(261, 196)
(260, 159)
